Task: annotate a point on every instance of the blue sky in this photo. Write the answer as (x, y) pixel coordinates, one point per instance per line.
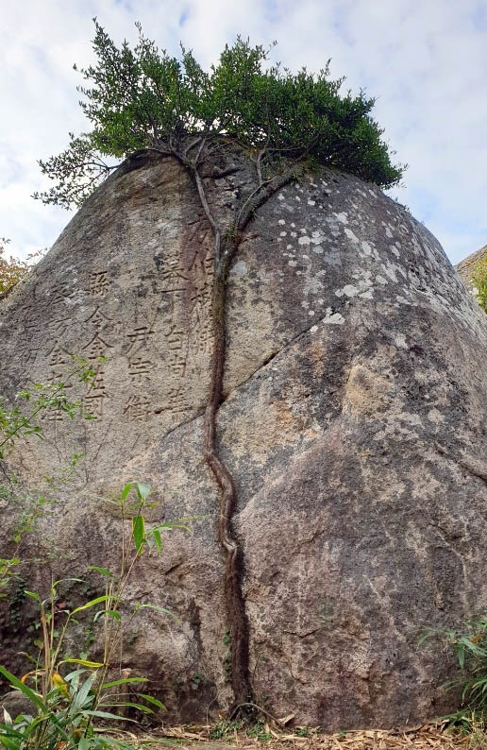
(426, 63)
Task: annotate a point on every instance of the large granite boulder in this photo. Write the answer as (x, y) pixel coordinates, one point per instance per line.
(354, 423)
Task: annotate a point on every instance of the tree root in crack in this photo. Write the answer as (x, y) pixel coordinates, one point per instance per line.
(228, 235)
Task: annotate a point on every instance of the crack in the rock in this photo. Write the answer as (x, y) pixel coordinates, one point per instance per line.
(228, 232)
(306, 634)
(261, 365)
(472, 466)
(200, 413)
(266, 361)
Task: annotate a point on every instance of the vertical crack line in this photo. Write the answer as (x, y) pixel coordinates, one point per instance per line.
(227, 241)
(234, 600)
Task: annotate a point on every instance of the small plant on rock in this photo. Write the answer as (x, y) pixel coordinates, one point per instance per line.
(62, 708)
(56, 704)
(479, 283)
(469, 643)
(22, 419)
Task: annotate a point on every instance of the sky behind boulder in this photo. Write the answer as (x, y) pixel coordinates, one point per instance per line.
(426, 63)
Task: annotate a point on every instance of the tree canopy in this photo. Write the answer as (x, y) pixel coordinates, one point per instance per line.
(144, 98)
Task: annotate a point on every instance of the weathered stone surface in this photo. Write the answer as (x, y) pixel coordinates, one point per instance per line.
(14, 703)
(354, 423)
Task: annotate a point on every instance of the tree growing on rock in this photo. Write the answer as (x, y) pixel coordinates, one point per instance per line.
(262, 125)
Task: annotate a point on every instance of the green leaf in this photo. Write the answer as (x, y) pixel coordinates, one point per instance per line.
(103, 571)
(126, 491)
(158, 539)
(109, 613)
(81, 698)
(125, 681)
(143, 490)
(13, 740)
(74, 676)
(108, 500)
(156, 608)
(32, 595)
(34, 698)
(154, 701)
(138, 533)
(94, 602)
(107, 715)
(130, 704)
(170, 525)
(83, 663)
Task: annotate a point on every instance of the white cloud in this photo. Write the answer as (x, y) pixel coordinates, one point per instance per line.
(425, 63)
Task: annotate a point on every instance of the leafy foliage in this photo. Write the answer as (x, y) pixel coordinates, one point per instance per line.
(478, 282)
(144, 98)
(469, 643)
(63, 719)
(22, 420)
(16, 423)
(12, 270)
(63, 709)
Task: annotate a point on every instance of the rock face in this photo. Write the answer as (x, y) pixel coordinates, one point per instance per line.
(354, 423)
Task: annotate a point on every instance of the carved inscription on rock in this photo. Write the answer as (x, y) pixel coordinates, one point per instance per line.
(144, 325)
(168, 346)
(185, 288)
(138, 406)
(98, 347)
(24, 346)
(140, 370)
(99, 283)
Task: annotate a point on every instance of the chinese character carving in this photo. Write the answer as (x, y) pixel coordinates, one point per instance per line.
(138, 408)
(98, 320)
(52, 415)
(177, 400)
(175, 338)
(139, 337)
(173, 276)
(59, 326)
(59, 378)
(201, 298)
(93, 403)
(203, 338)
(139, 370)
(61, 294)
(176, 363)
(58, 356)
(98, 383)
(99, 283)
(96, 347)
